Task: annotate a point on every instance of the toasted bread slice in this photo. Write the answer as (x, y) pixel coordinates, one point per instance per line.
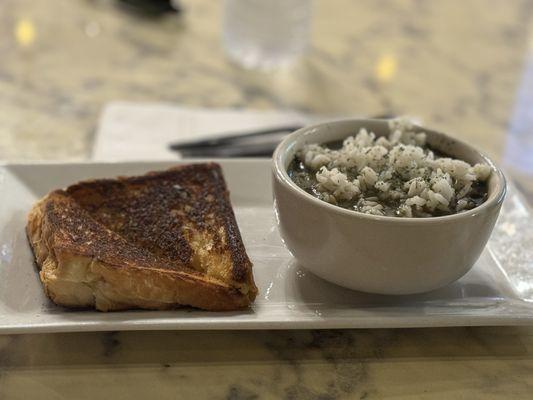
(157, 241)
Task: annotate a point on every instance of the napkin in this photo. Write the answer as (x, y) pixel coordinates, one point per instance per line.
(142, 131)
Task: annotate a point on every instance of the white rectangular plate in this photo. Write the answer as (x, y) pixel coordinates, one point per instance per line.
(497, 291)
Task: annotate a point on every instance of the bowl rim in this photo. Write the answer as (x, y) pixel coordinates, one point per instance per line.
(281, 174)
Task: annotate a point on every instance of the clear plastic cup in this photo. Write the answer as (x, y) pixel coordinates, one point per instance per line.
(266, 34)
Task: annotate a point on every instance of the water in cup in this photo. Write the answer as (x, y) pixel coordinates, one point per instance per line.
(266, 33)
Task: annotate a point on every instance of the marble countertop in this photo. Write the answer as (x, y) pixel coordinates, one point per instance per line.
(460, 66)
(454, 363)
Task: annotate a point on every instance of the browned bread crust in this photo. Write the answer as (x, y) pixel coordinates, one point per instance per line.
(156, 241)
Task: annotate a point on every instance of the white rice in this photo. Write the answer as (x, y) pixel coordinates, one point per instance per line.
(374, 173)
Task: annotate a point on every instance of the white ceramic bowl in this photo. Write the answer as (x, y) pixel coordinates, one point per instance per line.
(387, 255)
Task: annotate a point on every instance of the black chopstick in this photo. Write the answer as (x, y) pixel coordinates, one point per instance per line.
(255, 143)
(232, 138)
